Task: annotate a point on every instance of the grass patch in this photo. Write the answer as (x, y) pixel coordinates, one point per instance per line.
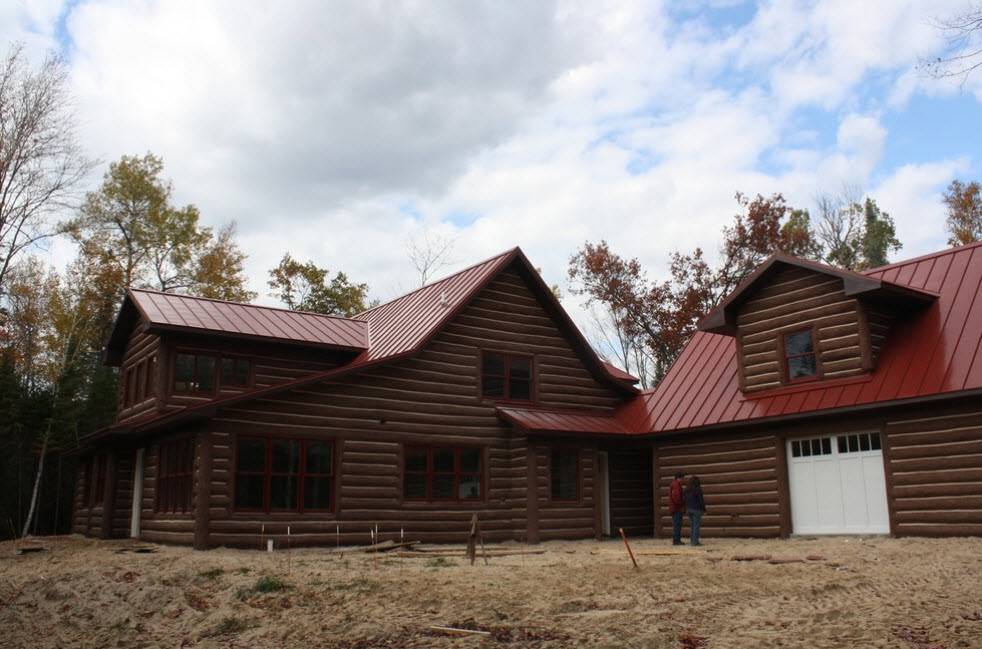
(213, 573)
(360, 586)
(121, 626)
(229, 626)
(440, 562)
(265, 584)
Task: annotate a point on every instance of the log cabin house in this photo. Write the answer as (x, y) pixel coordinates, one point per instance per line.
(813, 400)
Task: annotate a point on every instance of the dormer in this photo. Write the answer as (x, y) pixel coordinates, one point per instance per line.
(175, 351)
(797, 321)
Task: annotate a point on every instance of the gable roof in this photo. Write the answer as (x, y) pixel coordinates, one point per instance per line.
(569, 420)
(722, 319)
(401, 328)
(174, 312)
(934, 351)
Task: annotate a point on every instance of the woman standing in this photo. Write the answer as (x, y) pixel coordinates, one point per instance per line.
(696, 507)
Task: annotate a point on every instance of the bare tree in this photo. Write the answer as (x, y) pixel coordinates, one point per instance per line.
(963, 53)
(41, 162)
(840, 225)
(616, 344)
(429, 252)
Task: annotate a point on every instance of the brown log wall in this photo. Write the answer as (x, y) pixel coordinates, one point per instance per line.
(740, 480)
(141, 346)
(797, 298)
(161, 527)
(631, 491)
(935, 463)
(429, 399)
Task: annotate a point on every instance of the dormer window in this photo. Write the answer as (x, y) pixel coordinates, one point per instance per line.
(800, 360)
(506, 377)
(194, 373)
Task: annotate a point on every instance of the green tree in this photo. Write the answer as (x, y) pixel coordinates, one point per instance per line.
(879, 237)
(130, 224)
(307, 287)
(964, 203)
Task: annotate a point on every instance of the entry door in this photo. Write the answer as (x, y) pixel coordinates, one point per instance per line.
(837, 485)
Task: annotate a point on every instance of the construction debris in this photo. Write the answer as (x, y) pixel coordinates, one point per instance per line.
(449, 630)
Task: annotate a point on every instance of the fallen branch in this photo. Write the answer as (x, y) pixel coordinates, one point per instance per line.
(628, 546)
(450, 630)
(751, 557)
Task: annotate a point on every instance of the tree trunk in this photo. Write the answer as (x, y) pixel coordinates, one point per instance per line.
(37, 488)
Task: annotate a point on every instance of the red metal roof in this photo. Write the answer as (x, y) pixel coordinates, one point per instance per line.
(185, 312)
(619, 374)
(562, 421)
(933, 351)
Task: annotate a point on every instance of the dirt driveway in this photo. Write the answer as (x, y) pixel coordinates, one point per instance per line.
(830, 592)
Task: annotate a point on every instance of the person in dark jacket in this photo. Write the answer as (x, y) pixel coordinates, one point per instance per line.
(676, 506)
(696, 506)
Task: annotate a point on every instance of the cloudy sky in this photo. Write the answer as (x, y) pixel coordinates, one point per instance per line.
(336, 130)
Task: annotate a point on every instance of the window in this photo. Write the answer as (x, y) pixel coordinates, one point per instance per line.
(140, 389)
(128, 388)
(273, 474)
(506, 377)
(442, 473)
(859, 442)
(194, 373)
(235, 372)
(564, 472)
(138, 382)
(148, 386)
(810, 447)
(175, 468)
(799, 355)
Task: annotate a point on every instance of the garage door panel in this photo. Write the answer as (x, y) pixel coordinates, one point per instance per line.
(837, 485)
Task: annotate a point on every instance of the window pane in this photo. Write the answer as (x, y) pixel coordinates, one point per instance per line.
(795, 450)
(826, 446)
(802, 366)
(443, 460)
(843, 444)
(251, 454)
(853, 443)
(864, 442)
(235, 372)
(798, 343)
(442, 486)
(521, 368)
(520, 390)
(565, 474)
(183, 372)
(414, 485)
(874, 439)
(206, 373)
(470, 460)
(816, 447)
(470, 487)
(282, 492)
(317, 493)
(493, 386)
(416, 459)
(493, 364)
(249, 491)
(806, 448)
(151, 370)
(319, 457)
(286, 456)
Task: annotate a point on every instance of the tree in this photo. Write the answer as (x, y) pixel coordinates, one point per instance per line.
(964, 203)
(219, 272)
(130, 224)
(307, 287)
(963, 51)
(41, 162)
(854, 232)
(429, 252)
(879, 237)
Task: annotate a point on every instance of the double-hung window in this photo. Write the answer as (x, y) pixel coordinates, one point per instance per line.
(800, 359)
(175, 470)
(436, 473)
(507, 377)
(194, 373)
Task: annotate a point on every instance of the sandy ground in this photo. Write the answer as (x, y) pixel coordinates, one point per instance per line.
(855, 592)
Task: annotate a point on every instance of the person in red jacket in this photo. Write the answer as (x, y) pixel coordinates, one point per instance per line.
(676, 507)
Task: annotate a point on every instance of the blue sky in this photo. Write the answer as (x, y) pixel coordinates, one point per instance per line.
(338, 131)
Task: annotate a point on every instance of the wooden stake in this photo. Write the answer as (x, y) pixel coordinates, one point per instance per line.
(472, 540)
(262, 536)
(628, 546)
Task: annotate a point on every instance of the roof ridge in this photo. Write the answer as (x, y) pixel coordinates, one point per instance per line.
(438, 281)
(950, 250)
(245, 304)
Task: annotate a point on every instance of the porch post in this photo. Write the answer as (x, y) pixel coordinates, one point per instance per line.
(137, 494)
(202, 491)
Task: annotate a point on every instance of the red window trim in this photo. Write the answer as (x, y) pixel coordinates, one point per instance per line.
(267, 474)
(579, 474)
(785, 365)
(175, 475)
(429, 473)
(507, 359)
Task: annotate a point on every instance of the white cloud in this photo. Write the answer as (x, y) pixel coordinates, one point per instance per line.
(314, 126)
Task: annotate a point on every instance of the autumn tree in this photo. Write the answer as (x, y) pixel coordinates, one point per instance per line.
(131, 224)
(964, 204)
(854, 232)
(41, 163)
(304, 286)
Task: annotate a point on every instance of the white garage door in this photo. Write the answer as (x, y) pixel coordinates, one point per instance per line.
(837, 485)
